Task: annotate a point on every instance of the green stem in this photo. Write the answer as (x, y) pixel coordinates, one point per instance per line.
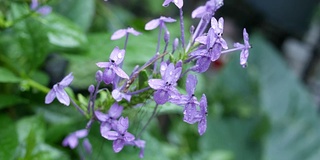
(37, 85)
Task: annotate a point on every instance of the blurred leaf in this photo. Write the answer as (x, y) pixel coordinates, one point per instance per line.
(64, 34)
(230, 135)
(80, 12)
(8, 136)
(7, 100)
(293, 114)
(7, 76)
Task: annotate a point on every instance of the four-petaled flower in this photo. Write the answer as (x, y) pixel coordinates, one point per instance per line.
(159, 21)
(120, 136)
(109, 121)
(112, 67)
(122, 32)
(178, 3)
(59, 92)
(72, 139)
(245, 48)
(166, 86)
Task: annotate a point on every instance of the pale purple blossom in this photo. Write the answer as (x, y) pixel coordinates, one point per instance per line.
(120, 136)
(123, 32)
(59, 92)
(159, 21)
(72, 139)
(166, 86)
(190, 100)
(118, 95)
(112, 67)
(244, 48)
(178, 3)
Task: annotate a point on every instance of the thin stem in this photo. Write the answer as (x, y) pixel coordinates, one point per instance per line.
(182, 29)
(159, 37)
(231, 50)
(77, 107)
(149, 120)
(94, 98)
(126, 41)
(138, 91)
(38, 86)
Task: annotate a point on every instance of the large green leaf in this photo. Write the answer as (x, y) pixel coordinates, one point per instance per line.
(80, 12)
(8, 136)
(295, 124)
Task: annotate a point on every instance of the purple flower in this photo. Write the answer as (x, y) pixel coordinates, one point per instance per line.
(202, 122)
(209, 8)
(121, 136)
(159, 21)
(190, 100)
(112, 67)
(178, 3)
(245, 48)
(140, 144)
(44, 10)
(166, 86)
(122, 32)
(109, 121)
(72, 139)
(118, 96)
(59, 92)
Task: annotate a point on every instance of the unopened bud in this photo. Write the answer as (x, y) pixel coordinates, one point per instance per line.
(179, 64)
(192, 30)
(175, 44)
(91, 88)
(166, 37)
(99, 76)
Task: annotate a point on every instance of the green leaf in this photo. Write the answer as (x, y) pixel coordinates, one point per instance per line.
(293, 114)
(232, 136)
(80, 12)
(7, 76)
(9, 141)
(7, 100)
(64, 34)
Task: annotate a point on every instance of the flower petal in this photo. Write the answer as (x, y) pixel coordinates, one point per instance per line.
(152, 24)
(133, 31)
(105, 127)
(202, 126)
(103, 64)
(120, 72)
(156, 83)
(191, 84)
(102, 117)
(117, 55)
(110, 135)
(118, 145)
(178, 3)
(166, 3)
(62, 96)
(66, 80)
(108, 75)
(123, 125)
(161, 96)
(198, 12)
(115, 111)
(118, 34)
(81, 133)
(71, 141)
(50, 96)
(128, 137)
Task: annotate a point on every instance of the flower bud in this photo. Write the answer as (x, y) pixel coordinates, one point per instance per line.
(166, 37)
(175, 44)
(99, 76)
(91, 88)
(192, 30)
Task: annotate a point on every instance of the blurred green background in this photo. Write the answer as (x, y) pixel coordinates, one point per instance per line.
(265, 111)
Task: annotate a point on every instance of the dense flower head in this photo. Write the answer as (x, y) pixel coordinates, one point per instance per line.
(166, 86)
(59, 92)
(112, 67)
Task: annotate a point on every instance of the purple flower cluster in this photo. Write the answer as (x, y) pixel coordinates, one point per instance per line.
(202, 49)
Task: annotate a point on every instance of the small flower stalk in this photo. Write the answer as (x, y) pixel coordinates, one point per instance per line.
(144, 84)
